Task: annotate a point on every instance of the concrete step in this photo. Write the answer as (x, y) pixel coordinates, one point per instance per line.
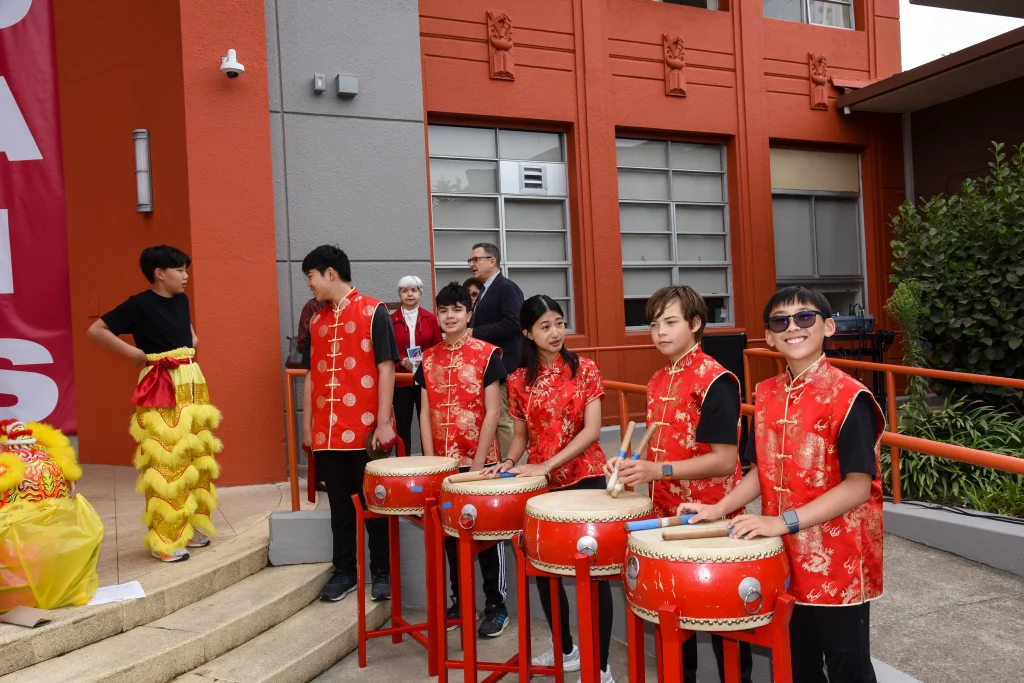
(167, 590)
(192, 635)
(297, 650)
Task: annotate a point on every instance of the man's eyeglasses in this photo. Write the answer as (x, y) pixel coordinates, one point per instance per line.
(803, 320)
(473, 259)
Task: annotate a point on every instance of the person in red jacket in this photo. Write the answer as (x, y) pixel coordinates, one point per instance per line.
(416, 330)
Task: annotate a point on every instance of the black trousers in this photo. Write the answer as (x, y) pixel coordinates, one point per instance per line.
(690, 660)
(406, 398)
(833, 638)
(604, 596)
(342, 472)
(492, 567)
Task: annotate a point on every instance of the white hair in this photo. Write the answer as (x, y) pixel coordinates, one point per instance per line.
(410, 281)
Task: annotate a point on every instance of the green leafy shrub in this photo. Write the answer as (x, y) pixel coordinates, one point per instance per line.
(972, 424)
(967, 252)
(906, 309)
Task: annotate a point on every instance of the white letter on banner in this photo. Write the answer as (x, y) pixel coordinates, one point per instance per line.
(6, 262)
(15, 138)
(13, 11)
(37, 394)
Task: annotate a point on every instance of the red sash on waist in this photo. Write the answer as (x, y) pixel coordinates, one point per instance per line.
(156, 389)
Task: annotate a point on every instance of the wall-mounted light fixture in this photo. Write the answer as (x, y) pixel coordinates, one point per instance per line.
(143, 178)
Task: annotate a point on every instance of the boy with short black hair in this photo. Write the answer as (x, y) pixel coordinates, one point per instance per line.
(460, 380)
(696, 404)
(815, 462)
(347, 409)
(174, 421)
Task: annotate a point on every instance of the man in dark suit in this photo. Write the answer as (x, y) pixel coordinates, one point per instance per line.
(496, 320)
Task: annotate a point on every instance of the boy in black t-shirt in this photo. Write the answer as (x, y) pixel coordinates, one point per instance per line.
(173, 421)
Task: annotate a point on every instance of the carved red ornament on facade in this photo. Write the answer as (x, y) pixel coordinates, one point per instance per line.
(499, 38)
(818, 68)
(675, 65)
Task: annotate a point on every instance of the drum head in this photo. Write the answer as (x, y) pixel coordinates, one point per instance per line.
(590, 505)
(649, 543)
(496, 487)
(414, 464)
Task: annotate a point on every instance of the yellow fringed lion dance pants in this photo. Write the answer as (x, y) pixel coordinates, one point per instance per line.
(176, 458)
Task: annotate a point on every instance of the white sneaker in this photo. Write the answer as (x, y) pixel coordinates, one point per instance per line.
(179, 555)
(570, 662)
(606, 675)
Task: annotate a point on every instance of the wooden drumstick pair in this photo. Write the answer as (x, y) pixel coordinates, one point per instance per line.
(477, 476)
(615, 487)
(680, 529)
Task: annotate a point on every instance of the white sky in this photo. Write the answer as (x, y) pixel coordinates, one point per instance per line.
(928, 33)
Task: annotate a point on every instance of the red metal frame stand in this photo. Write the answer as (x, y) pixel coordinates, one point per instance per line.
(670, 639)
(428, 634)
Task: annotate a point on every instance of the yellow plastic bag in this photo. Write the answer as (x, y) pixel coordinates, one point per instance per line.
(48, 553)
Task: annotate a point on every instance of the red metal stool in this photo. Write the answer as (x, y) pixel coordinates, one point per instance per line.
(428, 634)
(670, 639)
(586, 609)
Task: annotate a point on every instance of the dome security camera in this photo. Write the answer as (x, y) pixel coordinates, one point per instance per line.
(230, 65)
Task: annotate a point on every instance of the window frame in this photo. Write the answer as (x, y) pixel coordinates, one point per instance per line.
(675, 265)
(805, 14)
(507, 264)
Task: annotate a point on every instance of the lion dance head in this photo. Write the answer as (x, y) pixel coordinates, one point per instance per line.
(37, 463)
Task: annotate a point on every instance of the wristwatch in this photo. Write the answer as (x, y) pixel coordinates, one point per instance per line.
(790, 519)
(666, 471)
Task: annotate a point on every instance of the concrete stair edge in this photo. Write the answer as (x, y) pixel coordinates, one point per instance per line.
(168, 589)
(297, 650)
(204, 630)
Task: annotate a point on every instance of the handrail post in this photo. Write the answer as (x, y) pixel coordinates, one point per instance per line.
(293, 457)
(746, 377)
(623, 413)
(894, 452)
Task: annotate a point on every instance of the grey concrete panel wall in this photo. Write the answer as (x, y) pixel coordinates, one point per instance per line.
(273, 57)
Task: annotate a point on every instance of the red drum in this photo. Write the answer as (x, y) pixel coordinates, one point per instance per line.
(719, 584)
(491, 508)
(400, 486)
(563, 523)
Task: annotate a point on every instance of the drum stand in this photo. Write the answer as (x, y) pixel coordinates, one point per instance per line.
(586, 606)
(670, 638)
(433, 628)
(470, 665)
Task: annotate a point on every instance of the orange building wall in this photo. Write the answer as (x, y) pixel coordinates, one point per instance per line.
(124, 64)
(594, 69)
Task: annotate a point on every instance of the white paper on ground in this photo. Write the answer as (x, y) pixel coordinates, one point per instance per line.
(122, 591)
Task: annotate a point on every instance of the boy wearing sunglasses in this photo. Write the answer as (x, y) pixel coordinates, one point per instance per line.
(815, 463)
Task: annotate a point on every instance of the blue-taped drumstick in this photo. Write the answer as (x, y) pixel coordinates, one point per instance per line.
(476, 476)
(627, 444)
(619, 486)
(658, 523)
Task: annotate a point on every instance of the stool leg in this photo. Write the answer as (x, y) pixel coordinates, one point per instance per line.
(556, 628)
(467, 603)
(659, 653)
(360, 579)
(671, 644)
(731, 659)
(433, 634)
(439, 593)
(782, 657)
(586, 607)
(395, 550)
(635, 643)
(523, 600)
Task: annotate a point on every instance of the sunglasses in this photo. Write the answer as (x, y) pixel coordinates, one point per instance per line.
(803, 320)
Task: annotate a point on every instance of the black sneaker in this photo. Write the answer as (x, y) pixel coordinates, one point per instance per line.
(381, 589)
(339, 586)
(495, 622)
(453, 614)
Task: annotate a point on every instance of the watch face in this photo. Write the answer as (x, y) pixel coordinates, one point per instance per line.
(666, 470)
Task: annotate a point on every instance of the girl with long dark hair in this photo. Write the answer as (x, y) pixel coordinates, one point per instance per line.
(554, 399)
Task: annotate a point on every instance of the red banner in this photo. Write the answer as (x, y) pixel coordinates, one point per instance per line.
(36, 371)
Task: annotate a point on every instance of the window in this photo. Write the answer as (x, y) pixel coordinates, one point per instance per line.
(507, 187)
(836, 13)
(817, 224)
(706, 4)
(674, 220)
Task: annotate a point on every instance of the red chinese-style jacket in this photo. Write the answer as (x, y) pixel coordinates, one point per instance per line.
(796, 431)
(454, 376)
(674, 398)
(343, 370)
(553, 408)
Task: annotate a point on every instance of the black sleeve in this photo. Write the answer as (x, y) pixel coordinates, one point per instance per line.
(510, 302)
(857, 438)
(383, 332)
(720, 413)
(418, 377)
(495, 369)
(124, 318)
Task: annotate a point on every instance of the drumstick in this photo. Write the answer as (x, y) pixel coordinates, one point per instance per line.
(619, 486)
(476, 476)
(627, 444)
(694, 531)
(658, 523)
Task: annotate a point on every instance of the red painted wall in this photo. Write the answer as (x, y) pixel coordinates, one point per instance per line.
(123, 64)
(594, 69)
